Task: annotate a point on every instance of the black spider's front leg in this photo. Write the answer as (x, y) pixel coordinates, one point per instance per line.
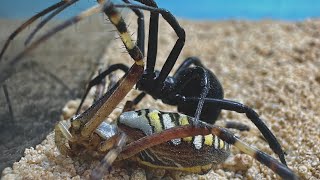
(251, 114)
(149, 82)
(153, 36)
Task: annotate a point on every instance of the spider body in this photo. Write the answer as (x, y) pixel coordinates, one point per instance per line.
(196, 154)
(186, 82)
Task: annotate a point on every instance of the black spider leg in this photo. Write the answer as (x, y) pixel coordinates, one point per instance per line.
(6, 94)
(153, 37)
(98, 79)
(251, 114)
(27, 23)
(152, 44)
(47, 19)
(155, 86)
(100, 88)
(236, 125)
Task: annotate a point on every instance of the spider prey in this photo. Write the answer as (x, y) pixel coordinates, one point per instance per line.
(165, 132)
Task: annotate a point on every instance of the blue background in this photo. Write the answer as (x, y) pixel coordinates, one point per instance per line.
(292, 10)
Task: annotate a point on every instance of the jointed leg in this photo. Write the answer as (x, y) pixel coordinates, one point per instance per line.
(111, 156)
(131, 105)
(8, 68)
(6, 94)
(141, 32)
(205, 129)
(100, 89)
(124, 68)
(153, 36)
(93, 117)
(97, 80)
(48, 18)
(27, 23)
(252, 115)
(236, 125)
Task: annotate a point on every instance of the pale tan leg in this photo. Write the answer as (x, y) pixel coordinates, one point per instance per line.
(108, 160)
(62, 137)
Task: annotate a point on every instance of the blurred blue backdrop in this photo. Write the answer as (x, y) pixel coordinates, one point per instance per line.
(292, 10)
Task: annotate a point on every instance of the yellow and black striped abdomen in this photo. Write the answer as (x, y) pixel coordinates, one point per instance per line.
(194, 154)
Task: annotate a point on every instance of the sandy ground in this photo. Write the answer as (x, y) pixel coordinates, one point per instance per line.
(270, 66)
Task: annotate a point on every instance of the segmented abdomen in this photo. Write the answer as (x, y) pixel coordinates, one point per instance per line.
(194, 154)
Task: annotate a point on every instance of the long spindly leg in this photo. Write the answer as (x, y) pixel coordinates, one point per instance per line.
(8, 67)
(27, 23)
(236, 125)
(124, 68)
(205, 129)
(97, 80)
(48, 18)
(6, 94)
(141, 31)
(173, 56)
(62, 135)
(131, 105)
(94, 116)
(110, 157)
(153, 36)
(100, 89)
(252, 115)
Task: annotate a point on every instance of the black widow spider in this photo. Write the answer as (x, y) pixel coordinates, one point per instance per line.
(193, 88)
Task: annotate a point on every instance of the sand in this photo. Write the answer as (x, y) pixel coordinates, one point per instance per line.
(270, 66)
